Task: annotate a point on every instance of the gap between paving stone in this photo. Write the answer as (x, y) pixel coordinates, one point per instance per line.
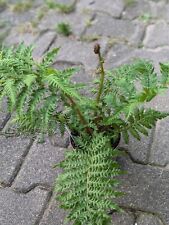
(137, 213)
(38, 168)
(76, 20)
(112, 8)
(148, 219)
(116, 28)
(13, 151)
(78, 52)
(138, 151)
(19, 166)
(15, 37)
(55, 215)
(145, 188)
(5, 121)
(153, 37)
(22, 209)
(43, 44)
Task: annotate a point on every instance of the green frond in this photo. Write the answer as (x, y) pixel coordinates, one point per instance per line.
(49, 58)
(9, 91)
(28, 85)
(56, 80)
(44, 99)
(164, 69)
(88, 183)
(130, 86)
(29, 79)
(140, 122)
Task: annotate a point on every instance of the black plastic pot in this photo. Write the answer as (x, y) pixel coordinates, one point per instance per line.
(114, 143)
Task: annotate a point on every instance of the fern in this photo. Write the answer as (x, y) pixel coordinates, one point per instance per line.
(140, 122)
(35, 90)
(44, 99)
(88, 184)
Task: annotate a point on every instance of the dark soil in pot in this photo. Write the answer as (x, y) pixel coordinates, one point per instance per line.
(114, 142)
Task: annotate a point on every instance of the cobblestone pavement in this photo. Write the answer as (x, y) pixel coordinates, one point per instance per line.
(126, 29)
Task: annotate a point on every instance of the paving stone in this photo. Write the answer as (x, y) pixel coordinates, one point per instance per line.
(119, 29)
(38, 166)
(153, 37)
(77, 21)
(160, 148)
(43, 44)
(3, 113)
(145, 188)
(22, 209)
(78, 53)
(160, 102)
(17, 18)
(114, 8)
(2, 6)
(118, 55)
(53, 215)
(155, 55)
(2, 118)
(12, 152)
(136, 8)
(80, 76)
(148, 219)
(58, 141)
(139, 150)
(66, 2)
(124, 218)
(159, 10)
(4, 30)
(15, 37)
(122, 54)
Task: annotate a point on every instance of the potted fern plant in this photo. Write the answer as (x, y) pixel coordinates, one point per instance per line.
(44, 98)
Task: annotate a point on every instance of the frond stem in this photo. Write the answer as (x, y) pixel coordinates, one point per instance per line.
(81, 117)
(102, 76)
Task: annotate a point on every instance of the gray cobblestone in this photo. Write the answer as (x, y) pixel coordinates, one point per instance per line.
(125, 218)
(53, 215)
(21, 209)
(76, 21)
(139, 150)
(160, 148)
(67, 2)
(113, 8)
(160, 102)
(136, 8)
(2, 117)
(148, 219)
(38, 167)
(43, 44)
(115, 28)
(159, 10)
(17, 18)
(80, 76)
(145, 188)
(16, 37)
(78, 52)
(153, 36)
(121, 54)
(12, 151)
(2, 113)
